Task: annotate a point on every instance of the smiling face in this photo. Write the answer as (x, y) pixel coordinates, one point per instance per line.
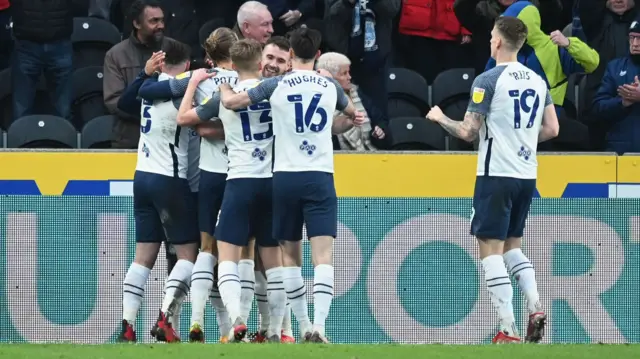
(275, 61)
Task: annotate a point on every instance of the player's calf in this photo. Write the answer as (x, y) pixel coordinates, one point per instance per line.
(323, 282)
(202, 280)
(271, 255)
(246, 267)
(294, 284)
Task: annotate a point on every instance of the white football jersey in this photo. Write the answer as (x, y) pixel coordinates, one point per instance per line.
(163, 146)
(193, 168)
(512, 98)
(213, 153)
(248, 134)
(302, 104)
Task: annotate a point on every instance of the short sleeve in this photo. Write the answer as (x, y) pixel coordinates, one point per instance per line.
(209, 108)
(548, 100)
(482, 92)
(264, 89)
(342, 98)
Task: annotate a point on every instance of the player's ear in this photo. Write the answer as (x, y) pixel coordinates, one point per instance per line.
(233, 66)
(260, 65)
(318, 54)
(187, 66)
(292, 53)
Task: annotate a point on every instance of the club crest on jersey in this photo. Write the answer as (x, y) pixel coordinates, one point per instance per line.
(183, 75)
(478, 95)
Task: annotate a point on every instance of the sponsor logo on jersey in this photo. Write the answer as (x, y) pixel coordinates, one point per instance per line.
(478, 95)
(183, 75)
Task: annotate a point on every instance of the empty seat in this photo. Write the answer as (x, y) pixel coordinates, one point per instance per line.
(42, 131)
(573, 136)
(408, 93)
(208, 27)
(450, 91)
(97, 132)
(92, 38)
(416, 133)
(88, 102)
(42, 103)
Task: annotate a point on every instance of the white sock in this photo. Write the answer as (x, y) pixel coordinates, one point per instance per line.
(133, 291)
(286, 321)
(522, 270)
(322, 295)
(296, 292)
(229, 287)
(277, 297)
(247, 281)
(222, 316)
(201, 284)
(174, 320)
(178, 281)
(261, 299)
(500, 290)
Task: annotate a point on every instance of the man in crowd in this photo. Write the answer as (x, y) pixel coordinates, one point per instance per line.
(42, 32)
(254, 22)
(124, 62)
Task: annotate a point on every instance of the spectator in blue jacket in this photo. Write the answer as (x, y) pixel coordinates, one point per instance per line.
(618, 98)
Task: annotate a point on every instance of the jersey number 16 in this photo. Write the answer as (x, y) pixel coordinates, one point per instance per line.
(520, 106)
(304, 117)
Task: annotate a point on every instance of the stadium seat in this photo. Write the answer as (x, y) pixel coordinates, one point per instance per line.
(416, 133)
(408, 93)
(582, 104)
(573, 136)
(92, 38)
(88, 102)
(450, 91)
(208, 27)
(42, 101)
(97, 132)
(570, 104)
(42, 131)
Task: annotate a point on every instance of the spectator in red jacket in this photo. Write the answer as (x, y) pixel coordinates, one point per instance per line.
(5, 34)
(433, 39)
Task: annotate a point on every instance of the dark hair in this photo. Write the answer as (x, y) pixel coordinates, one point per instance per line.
(280, 41)
(246, 54)
(513, 31)
(137, 8)
(305, 43)
(176, 52)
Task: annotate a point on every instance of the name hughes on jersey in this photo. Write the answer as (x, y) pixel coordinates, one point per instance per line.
(297, 80)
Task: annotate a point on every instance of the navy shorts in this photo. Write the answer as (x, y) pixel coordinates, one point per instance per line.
(210, 193)
(247, 212)
(164, 206)
(304, 198)
(501, 206)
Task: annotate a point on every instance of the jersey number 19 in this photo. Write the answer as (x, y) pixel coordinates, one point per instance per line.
(520, 106)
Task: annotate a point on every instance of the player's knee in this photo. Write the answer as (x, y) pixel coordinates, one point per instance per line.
(488, 247)
(146, 254)
(248, 252)
(188, 251)
(291, 253)
(207, 242)
(228, 251)
(322, 250)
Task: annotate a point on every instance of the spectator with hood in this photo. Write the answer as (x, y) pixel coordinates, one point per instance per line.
(617, 101)
(478, 17)
(553, 57)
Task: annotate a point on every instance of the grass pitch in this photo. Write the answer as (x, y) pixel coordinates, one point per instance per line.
(314, 351)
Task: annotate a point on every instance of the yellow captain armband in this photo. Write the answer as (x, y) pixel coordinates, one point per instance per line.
(206, 99)
(183, 75)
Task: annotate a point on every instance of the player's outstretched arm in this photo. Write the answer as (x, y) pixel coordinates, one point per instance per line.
(187, 116)
(550, 127)
(262, 91)
(466, 129)
(152, 89)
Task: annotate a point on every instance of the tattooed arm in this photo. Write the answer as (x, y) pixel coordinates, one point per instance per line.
(466, 130)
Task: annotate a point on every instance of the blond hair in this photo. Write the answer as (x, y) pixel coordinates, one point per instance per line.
(218, 44)
(246, 55)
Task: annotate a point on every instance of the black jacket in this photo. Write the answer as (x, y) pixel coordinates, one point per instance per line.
(42, 20)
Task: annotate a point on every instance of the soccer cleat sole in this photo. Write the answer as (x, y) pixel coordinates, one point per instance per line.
(538, 329)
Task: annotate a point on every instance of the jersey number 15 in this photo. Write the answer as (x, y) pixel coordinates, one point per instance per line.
(520, 106)
(146, 116)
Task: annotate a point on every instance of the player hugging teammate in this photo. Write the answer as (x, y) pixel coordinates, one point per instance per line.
(239, 177)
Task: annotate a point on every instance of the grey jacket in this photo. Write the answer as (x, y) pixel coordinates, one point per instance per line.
(338, 18)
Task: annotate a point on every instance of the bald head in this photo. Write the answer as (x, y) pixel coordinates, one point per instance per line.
(255, 21)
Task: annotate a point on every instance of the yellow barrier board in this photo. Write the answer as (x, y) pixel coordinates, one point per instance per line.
(356, 175)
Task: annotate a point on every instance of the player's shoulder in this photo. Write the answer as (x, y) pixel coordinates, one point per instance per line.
(491, 76)
(222, 72)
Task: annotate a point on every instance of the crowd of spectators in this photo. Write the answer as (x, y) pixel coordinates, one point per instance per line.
(396, 58)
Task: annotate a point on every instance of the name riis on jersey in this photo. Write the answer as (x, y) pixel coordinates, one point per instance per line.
(520, 75)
